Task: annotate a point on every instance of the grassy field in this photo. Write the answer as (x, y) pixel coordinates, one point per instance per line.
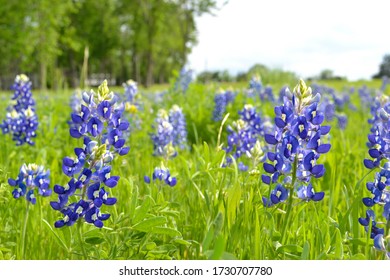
(213, 212)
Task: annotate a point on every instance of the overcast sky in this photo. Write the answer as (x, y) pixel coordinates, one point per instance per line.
(348, 37)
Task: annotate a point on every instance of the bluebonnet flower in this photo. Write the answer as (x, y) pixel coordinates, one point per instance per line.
(278, 194)
(385, 82)
(178, 121)
(334, 104)
(162, 173)
(381, 245)
(163, 138)
(101, 126)
(342, 121)
(183, 80)
(171, 135)
(221, 100)
(132, 106)
(76, 101)
(296, 145)
(328, 108)
(370, 216)
(32, 179)
(244, 138)
(282, 94)
(256, 88)
(379, 189)
(378, 145)
(307, 193)
(21, 120)
(366, 96)
(171, 132)
(131, 90)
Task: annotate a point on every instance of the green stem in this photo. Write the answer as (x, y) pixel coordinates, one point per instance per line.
(290, 199)
(24, 230)
(79, 236)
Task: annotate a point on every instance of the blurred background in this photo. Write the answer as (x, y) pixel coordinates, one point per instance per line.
(67, 44)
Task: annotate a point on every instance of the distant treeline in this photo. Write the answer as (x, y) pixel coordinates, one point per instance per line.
(267, 75)
(51, 40)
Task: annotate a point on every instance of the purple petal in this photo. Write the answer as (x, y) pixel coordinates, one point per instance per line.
(318, 196)
(269, 168)
(323, 148)
(270, 139)
(266, 179)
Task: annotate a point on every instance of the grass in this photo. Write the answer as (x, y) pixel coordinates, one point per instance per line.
(213, 212)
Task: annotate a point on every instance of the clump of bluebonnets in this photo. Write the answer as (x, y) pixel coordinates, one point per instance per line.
(256, 88)
(132, 105)
(131, 90)
(221, 100)
(21, 119)
(367, 96)
(76, 101)
(245, 137)
(297, 146)
(163, 137)
(379, 189)
(101, 127)
(178, 121)
(378, 145)
(170, 134)
(334, 104)
(385, 82)
(31, 181)
(183, 80)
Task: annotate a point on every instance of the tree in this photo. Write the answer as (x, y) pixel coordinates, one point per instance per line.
(146, 40)
(384, 68)
(326, 74)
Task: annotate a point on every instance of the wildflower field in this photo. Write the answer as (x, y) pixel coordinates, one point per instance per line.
(289, 170)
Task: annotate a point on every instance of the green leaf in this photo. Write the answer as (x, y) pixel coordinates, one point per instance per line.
(95, 240)
(339, 251)
(148, 224)
(358, 256)
(219, 248)
(149, 246)
(291, 248)
(165, 231)
(141, 211)
(306, 251)
(208, 238)
(206, 152)
(182, 242)
(358, 241)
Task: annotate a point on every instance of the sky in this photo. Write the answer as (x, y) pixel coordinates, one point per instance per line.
(348, 37)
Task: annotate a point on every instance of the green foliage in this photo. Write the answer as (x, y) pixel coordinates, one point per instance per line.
(384, 67)
(142, 40)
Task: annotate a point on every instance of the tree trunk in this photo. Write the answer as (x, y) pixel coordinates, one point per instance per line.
(43, 71)
(149, 74)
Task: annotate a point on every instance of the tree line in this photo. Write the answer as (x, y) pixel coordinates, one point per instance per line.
(62, 42)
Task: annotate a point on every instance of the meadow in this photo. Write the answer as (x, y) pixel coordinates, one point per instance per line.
(213, 211)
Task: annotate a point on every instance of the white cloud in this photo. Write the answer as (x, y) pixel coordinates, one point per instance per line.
(349, 37)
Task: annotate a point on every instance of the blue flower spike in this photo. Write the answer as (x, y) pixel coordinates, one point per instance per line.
(32, 180)
(21, 119)
(103, 131)
(295, 146)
